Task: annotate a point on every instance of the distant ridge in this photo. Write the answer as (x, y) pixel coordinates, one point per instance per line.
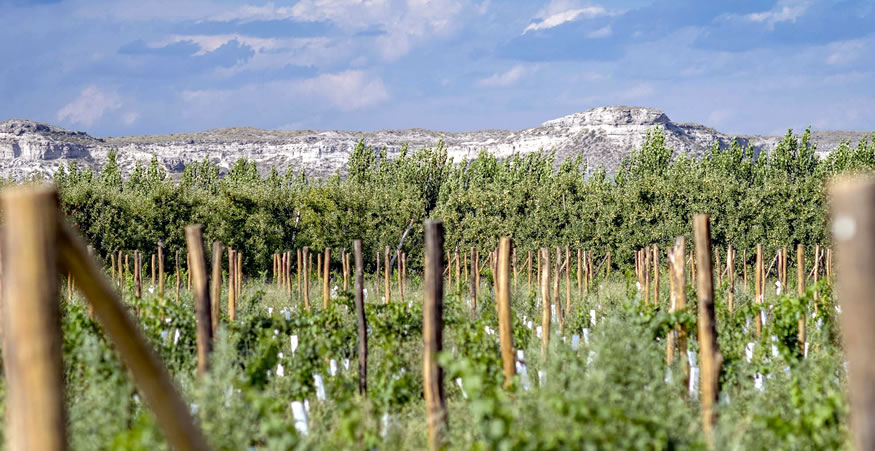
(603, 136)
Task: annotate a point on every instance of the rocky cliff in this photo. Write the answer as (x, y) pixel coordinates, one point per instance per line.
(603, 136)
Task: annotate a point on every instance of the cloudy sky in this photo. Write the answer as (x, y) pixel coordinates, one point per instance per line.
(158, 66)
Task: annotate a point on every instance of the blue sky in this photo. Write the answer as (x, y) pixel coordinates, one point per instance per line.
(132, 67)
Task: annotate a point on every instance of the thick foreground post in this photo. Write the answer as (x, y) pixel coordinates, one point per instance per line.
(432, 333)
(194, 240)
(853, 232)
(216, 284)
(708, 348)
(505, 319)
(32, 356)
(361, 319)
(545, 300)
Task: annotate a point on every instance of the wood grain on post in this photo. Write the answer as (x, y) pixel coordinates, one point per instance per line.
(305, 257)
(232, 298)
(178, 278)
(545, 300)
(387, 273)
(567, 282)
(655, 275)
(432, 332)
(216, 285)
(672, 302)
(758, 287)
(195, 242)
(326, 279)
(853, 232)
(150, 375)
(505, 318)
(361, 319)
(161, 271)
(680, 301)
(709, 350)
(800, 291)
(32, 346)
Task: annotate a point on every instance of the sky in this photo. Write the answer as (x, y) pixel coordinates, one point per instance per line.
(114, 68)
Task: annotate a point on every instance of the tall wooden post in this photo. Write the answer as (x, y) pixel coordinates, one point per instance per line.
(238, 284)
(305, 257)
(232, 293)
(32, 348)
(545, 300)
(758, 289)
(299, 268)
(680, 298)
(194, 240)
(161, 270)
(139, 274)
(817, 254)
(853, 232)
(121, 276)
(432, 332)
(178, 278)
(112, 261)
(153, 272)
(555, 294)
(472, 284)
(319, 267)
(505, 318)
(800, 291)
(216, 285)
(730, 267)
(579, 272)
(567, 282)
(361, 319)
(709, 350)
(655, 274)
(744, 269)
(529, 265)
(387, 286)
(326, 279)
(399, 271)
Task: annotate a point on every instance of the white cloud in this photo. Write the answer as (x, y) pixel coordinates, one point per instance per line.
(558, 12)
(130, 117)
(90, 106)
(343, 91)
(511, 76)
(404, 23)
(602, 32)
(845, 52)
(784, 11)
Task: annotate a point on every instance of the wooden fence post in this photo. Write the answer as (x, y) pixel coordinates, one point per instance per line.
(555, 294)
(853, 232)
(655, 274)
(758, 289)
(361, 319)
(709, 350)
(232, 263)
(567, 282)
(730, 267)
(161, 270)
(138, 264)
(299, 268)
(32, 352)
(178, 278)
(432, 331)
(388, 274)
(216, 285)
(505, 318)
(195, 242)
(154, 273)
(326, 279)
(579, 272)
(399, 272)
(545, 300)
(305, 257)
(472, 285)
(800, 291)
(238, 284)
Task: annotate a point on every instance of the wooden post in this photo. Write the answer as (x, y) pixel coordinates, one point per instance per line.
(730, 266)
(529, 264)
(800, 291)
(305, 257)
(853, 232)
(238, 284)
(458, 270)
(32, 352)
(744, 268)
(472, 287)
(432, 332)
(188, 269)
(319, 267)
(709, 350)
(817, 254)
(112, 261)
(150, 376)
(139, 274)
(153, 272)
(361, 319)
(195, 242)
(567, 282)
(299, 268)
(161, 270)
(758, 286)
(545, 300)
(121, 277)
(399, 272)
(326, 278)
(178, 278)
(216, 284)
(232, 297)
(829, 266)
(505, 318)
(388, 274)
(579, 272)
(655, 274)
(556, 295)
(646, 271)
